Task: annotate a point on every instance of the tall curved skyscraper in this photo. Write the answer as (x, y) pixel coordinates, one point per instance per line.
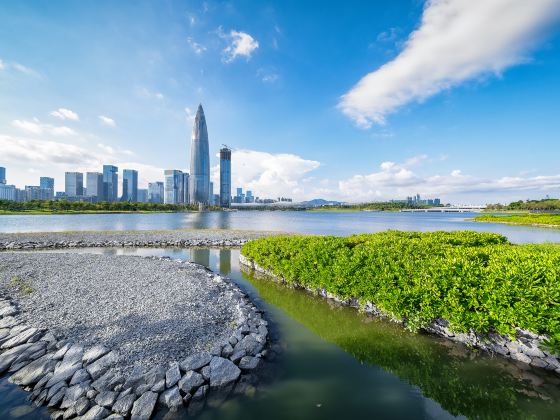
(199, 181)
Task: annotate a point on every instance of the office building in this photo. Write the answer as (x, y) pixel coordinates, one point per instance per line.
(110, 183)
(130, 185)
(200, 160)
(174, 188)
(186, 188)
(74, 184)
(2, 175)
(155, 192)
(94, 185)
(8, 192)
(46, 183)
(211, 194)
(225, 177)
(142, 195)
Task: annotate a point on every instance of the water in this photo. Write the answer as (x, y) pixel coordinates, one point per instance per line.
(323, 223)
(337, 363)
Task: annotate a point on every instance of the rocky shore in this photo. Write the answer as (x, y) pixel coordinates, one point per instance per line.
(138, 238)
(527, 348)
(95, 336)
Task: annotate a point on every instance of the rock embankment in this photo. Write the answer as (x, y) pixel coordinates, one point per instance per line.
(139, 238)
(527, 347)
(99, 336)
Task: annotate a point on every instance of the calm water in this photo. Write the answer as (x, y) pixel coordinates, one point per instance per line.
(325, 223)
(335, 363)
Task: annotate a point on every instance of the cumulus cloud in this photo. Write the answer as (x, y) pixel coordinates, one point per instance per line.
(457, 40)
(36, 127)
(241, 44)
(65, 114)
(267, 174)
(107, 121)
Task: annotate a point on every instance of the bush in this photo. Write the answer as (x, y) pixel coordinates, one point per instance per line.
(476, 281)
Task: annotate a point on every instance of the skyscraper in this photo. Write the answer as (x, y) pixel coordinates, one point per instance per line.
(155, 192)
(2, 175)
(110, 183)
(225, 177)
(94, 185)
(200, 160)
(186, 188)
(174, 188)
(45, 183)
(211, 194)
(74, 184)
(130, 185)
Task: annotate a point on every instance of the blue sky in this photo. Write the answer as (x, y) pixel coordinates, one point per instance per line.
(357, 101)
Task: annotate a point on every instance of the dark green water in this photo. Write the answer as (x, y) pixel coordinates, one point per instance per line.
(335, 363)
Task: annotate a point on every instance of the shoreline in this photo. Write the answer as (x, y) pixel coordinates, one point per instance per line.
(82, 374)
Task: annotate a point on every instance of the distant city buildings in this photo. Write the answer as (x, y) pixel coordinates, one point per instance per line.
(417, 201)
(94, 185)
(2, 175)
(110, 183)
(130, 185)
(155, 192)
(142, 195)
(225, 177)
(74, 184)
(174, 192)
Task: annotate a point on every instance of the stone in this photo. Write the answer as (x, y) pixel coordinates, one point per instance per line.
(59, 354)
(9, 356)
(70, 412)
(227, 350)
(54, 389)
(108, 381)
(171, 398)
(249, 344)
(200, 393)
(195, 361)
(81, 406)
(95, 413)
(223, 372)
(144, 406)
(8, 310)
(31, 373)
(79, 376)
(57, 397)
(57, 415)
(41, 398)
(521, 357)
(91, 393)
(114, 417)
(530, 350)
(106, 398)
(73, 393)
(123, 405)
(186, 399)
(237, 356)
(159, 386)
(205, 372)
(249, 363)
(100, 366)
(8, 322)
(172, 375)
(190, 381)
(94, 353)
(21, 338)
(71, 362)
(42, 382)
(538, 362)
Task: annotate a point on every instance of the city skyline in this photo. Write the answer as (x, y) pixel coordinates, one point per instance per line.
(352, 131)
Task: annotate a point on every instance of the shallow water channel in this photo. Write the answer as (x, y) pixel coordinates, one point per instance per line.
(336, 363)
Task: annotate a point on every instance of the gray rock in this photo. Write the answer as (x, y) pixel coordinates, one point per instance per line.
(70, 412)
(54, 389)
(222, 372)
(237, 356)
(171, 398)
(521, 357)
(144, 406)
(200, 393)
(114, 417)
(71, 363)
(31, 373)
(227, 351)
(159, 386)
(8, 310)
(57, 397)
(205, 371)
(539, 362)
(42, 382)
(40, 400)
(81, 406)
(94, 353)
(106, 398)
(108, 381)
(59, 354)
(190, 381)
(80, 375)
(21, 338)
(8, 322)
(249, 363)
(91, 393)
(73, 393)
(249, 344)
(100, 366)
(195, 362)
(57, 415)
(124, 404)
(172, 375)
(95, 413)
(9, 356)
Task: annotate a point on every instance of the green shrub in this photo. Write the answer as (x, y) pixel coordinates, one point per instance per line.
(476, 281)
(521, 219)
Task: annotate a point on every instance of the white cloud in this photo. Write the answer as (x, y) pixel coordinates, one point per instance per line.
(65, 114)
(147, 93)
(268, 175)
(2, 65)
(196, 47)
(267, 76)
(241, 44)
(109, 122)
(37, 127)
(25, 70)
(458, 40)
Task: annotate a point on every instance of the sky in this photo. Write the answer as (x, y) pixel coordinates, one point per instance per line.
(353, 101)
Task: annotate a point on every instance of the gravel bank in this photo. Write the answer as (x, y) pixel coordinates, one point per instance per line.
(138, 238)
(119, 333)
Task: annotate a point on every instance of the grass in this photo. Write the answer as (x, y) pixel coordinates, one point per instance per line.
(477, 281)
(21, 285)
(529, 219)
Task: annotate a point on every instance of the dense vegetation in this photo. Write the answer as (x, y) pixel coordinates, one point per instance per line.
(62, 206)
(522, 219)
(476, 281)
(375, 206)
(547, 204)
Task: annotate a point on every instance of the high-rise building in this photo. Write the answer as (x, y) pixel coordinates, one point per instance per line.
(46, 182)
(94, 185)
(155, 192)
(2, 175)
(110, 183)
(142, 195)
(174, 188)
(186, 188)
(200, 160)
(211, 194)
(130, 185)
(225, 177)
(249, 198)
(8, 192)
(74, 184)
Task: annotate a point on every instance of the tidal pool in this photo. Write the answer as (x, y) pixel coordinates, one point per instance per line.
(334, 363)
